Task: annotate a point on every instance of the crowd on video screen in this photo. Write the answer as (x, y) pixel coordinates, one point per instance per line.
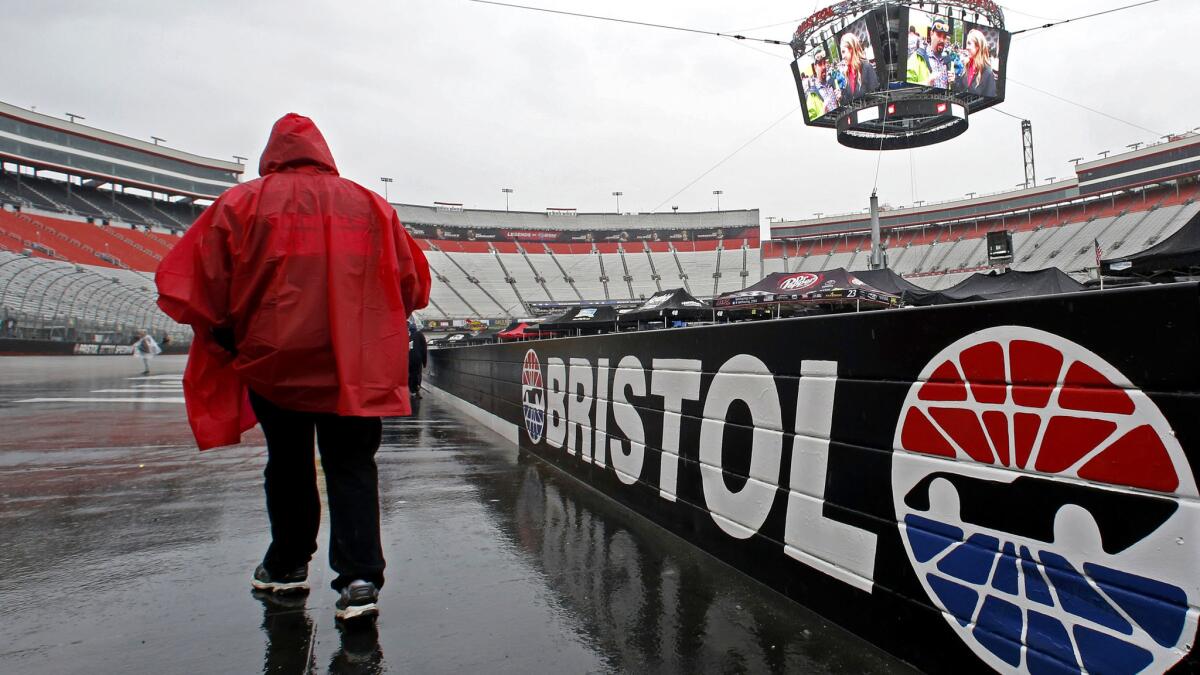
(943, 53)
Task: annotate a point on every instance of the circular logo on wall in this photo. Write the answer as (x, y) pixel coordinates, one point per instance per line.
(1043, 502)
(533, 396)
(799, 282)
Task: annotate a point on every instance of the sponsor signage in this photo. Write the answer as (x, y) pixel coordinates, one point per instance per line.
(1007, 487)
(104, 350)
(577, 235)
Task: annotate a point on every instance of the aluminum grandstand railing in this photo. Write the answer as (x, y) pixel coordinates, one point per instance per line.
(52, 299)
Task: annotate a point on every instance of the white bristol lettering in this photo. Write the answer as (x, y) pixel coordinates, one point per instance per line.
(579, 408)
(631, 377)
(601, 411)
(676, 381)
(578, 400)
(742, 378)
(840, 550)
(556, 407)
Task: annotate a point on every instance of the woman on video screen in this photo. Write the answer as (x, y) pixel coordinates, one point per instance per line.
(978, 77)
(860, 74)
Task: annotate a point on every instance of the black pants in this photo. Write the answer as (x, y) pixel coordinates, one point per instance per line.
(414, 377)
(348, 446)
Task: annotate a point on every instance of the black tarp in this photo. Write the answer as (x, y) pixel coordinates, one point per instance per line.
(1010, 284)
(828, 286)
(888, 281)
(675, 304)
(1178, 253)
(587, 319)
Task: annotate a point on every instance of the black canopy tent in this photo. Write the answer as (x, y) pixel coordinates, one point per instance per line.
(596, 319)
(1177, 255)
(992, 286)
(675, 304)
(888, 281)
(836, 286)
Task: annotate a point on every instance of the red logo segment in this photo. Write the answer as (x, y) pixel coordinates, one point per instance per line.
(1030, 405)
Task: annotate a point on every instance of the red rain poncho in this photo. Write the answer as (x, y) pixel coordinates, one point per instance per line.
(316, 278)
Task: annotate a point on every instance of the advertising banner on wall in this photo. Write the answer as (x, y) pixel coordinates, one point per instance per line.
(1007, 485)
(578, 236)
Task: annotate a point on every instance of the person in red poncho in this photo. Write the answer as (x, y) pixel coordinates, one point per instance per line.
(298, 286)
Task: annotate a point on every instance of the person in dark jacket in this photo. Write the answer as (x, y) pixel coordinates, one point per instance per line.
(418, 354)
(979, 77)
(861, 78)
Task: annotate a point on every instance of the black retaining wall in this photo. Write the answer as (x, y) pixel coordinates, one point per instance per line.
(1004, 484)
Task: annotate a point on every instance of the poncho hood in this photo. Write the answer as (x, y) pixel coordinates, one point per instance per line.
(296, 142)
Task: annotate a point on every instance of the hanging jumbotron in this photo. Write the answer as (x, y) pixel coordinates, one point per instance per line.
(900, 74)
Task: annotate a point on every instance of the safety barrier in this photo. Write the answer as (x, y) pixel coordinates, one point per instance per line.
(1004, 484)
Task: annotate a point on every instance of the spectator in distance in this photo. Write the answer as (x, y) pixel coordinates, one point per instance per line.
(146, 349)
(418, 354)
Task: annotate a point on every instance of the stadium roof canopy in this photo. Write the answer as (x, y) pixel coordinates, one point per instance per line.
(47, 143)
(1152, 165)
(453, 215)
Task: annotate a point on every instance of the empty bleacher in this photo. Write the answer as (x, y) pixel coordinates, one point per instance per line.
(73, 198)
(65, 237)
(1063, 236)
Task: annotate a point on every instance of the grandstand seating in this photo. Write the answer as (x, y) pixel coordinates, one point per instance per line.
(938, 256)
(82, 242)
(43, 293)
(53, 195)
(494, 279)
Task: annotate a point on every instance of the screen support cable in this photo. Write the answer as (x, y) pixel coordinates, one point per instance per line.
(645, 24)
(728, 157)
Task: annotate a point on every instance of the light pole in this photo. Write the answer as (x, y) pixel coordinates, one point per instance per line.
(1135, 146)
(718, 194)
(73, 117)
(1104, 153)
(507, 192)
(239, 159)
(1075, 160)
(158, 140)
(385, 180)
(618, 196)
(971, 195)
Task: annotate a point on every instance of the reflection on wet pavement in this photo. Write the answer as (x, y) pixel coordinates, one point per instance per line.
(128, 551)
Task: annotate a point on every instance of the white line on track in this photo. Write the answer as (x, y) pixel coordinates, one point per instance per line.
(98, 399)
(137, 391)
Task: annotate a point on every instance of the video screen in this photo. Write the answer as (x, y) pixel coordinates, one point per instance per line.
(837, 72)
(953, 55)
(933, 52)
(983, 61)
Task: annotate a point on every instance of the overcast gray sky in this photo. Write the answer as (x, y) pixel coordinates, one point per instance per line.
(455, 100)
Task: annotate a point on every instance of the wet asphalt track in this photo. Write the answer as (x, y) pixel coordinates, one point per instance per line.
(125, 550)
